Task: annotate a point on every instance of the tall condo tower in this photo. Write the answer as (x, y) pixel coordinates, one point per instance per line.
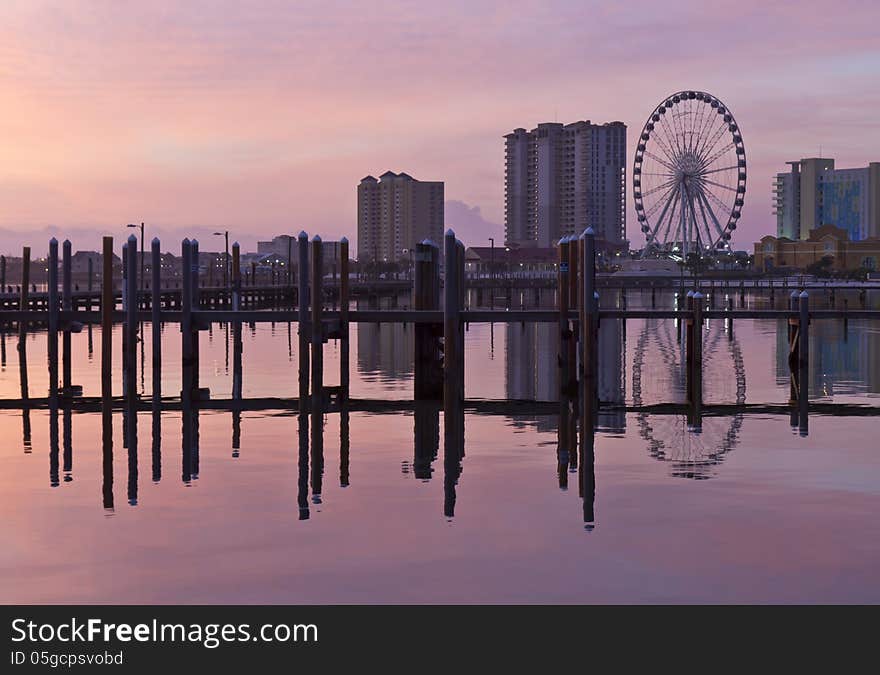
(563, 178)
(396, 212)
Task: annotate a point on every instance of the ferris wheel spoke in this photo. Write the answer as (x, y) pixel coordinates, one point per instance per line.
(666, 150)
(712, 215)
(700, 202)
(670, 218)
(657, 188)
(671, 132)
(712, 140)
(682, 223)
(702, 245)
(706, 154)
(723, 168)
(720, 185)
(655, 207)
(718, 153)
(708, 124)
(657, 159)
(716, 200)
(667, 201)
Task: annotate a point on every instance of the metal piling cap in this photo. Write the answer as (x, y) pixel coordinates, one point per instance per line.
(132, 239)
(804, 295)
(589, 232)
(316, 239)
(450, 233)
(303, 235)
(344, 240)
(155, 241)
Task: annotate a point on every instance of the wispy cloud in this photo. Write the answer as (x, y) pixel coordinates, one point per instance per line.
(265, 114)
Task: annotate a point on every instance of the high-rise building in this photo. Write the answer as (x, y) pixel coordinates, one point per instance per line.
(563, 178)
(396, 212)
(813, 193)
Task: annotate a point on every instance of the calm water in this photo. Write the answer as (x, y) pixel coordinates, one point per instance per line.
(367, 507)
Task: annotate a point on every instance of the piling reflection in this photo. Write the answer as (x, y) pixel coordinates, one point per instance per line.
(453, 453)
(67, 437)
(157, 443)
(587, 470)
(23, 379)
(131, 444)
(53, 446)
(107, 454)
(344, 444)
(426, 436)
(303, 467)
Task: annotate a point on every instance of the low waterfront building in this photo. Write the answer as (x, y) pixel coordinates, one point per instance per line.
(826, 241)
(510, 261)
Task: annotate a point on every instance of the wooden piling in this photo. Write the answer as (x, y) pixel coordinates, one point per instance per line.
(236, 276)
(108, 303)
(451, 320)
(196, 305)
(67, 306)
(2, 273)
(186, 327)
(344, 367)
(53, 309)
(303, 320)
(428, 375)
(131, 295)
(317, 325)
(156, 316)
(462, 294)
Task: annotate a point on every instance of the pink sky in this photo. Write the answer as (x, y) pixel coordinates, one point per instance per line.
(261, 117)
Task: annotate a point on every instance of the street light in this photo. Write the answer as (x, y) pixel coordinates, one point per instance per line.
(226, 258)
(142, 251)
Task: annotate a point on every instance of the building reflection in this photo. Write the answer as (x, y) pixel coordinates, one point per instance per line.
(844, 357)
(531, 368)
(385, 351)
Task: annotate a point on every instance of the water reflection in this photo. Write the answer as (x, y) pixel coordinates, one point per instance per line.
(844, 357)
(692, 444)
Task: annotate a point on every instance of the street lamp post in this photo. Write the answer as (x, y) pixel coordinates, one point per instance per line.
(225, 234)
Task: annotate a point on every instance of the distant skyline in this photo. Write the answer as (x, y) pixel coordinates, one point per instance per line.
(262, 117)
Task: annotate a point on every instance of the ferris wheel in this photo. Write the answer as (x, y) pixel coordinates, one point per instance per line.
(689, 175)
